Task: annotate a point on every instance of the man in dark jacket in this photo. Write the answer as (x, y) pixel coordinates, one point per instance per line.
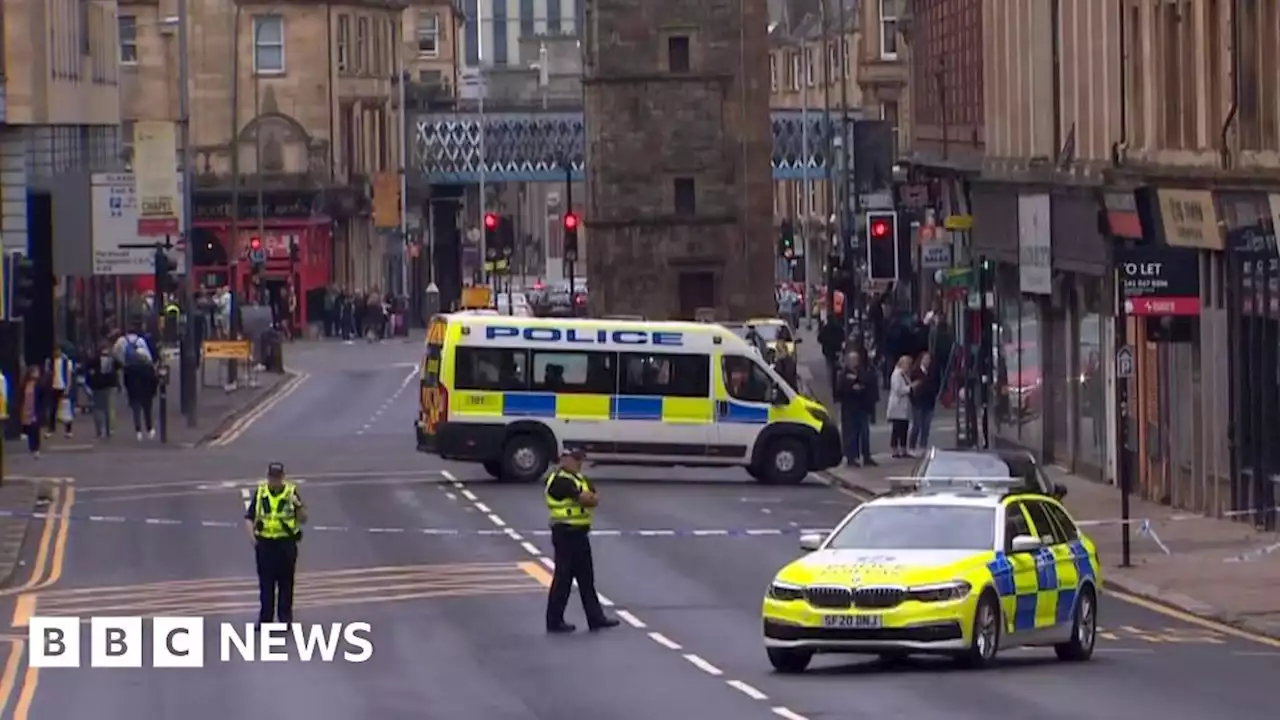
(857, 393)
(831, 338)
(102, 379)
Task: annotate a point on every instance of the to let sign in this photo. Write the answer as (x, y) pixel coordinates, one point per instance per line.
(1159, 280)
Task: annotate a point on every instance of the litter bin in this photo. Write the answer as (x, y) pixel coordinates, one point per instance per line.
(273, 351)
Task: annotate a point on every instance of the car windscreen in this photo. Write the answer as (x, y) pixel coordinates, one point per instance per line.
(918, 527)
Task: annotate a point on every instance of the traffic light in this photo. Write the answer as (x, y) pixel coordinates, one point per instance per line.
(255, 253)
(491, 241)
(882, 245)
(165, 280)
(787, 240)
(570, 237)
(24, 286)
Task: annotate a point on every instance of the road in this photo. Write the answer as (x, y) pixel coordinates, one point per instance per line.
(457, 612)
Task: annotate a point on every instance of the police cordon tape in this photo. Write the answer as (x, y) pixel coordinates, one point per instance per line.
(428, 531)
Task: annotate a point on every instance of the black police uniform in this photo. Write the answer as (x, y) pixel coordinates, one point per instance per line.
(572, 555)
(277, 560)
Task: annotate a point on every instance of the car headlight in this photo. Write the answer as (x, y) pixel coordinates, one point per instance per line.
(785, 592)
(942, 592)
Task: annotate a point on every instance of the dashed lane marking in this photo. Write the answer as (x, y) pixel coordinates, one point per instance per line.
(625, 616)
(386, 404)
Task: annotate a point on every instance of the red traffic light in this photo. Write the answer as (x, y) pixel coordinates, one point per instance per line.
(490, 221)
(879, 229)
(255, 243)
(570, 221)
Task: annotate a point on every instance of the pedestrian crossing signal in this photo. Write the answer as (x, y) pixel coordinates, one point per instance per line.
(883, 262)
(490, 222)
(570, 237)
(570, 221)
(255, 243)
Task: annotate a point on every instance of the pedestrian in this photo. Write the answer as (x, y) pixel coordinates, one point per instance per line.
(857, 392)
(60, 377)
(141, 381)
(571, 500)
(924, 399)
(30, 408)
(101, 380)
(274, 518)
(898, 409)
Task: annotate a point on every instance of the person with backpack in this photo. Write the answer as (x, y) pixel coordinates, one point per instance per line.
(140, 380)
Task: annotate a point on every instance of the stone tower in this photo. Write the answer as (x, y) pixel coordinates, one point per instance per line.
(679, 206)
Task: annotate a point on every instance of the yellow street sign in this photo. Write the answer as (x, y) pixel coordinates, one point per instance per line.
(386, 200)
(227, 350)
(958, 222)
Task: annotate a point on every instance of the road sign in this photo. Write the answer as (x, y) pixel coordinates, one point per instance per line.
(1124, 363)
(117, 246)
(227, 350)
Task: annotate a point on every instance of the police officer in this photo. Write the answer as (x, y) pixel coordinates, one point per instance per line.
(570, 500)
(274, 518)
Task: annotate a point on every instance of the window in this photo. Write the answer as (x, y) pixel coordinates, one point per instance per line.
(678, 59)
(428, 33)
(746, 380)
(888, 32)
(833, 62)
(810, 71)
(553, 17)
(793, 78)
(592, 373)
(496, 369)
(1015, 524)
(344, 43)
(773, 73)
(1044, 526)
(268, 44)
(686, 196)
(362, 44)
(844, 59)
(1063, 525)
(376, 56)
(665, 375)
(128, 25)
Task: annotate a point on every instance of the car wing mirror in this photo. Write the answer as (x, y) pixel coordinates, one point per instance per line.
(1025, 543)
(1059, 490)
(811, 541)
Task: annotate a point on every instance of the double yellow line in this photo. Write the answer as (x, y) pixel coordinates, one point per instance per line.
(51, 556)
(277, 396)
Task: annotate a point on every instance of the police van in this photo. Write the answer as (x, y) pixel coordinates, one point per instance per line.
(510, 393)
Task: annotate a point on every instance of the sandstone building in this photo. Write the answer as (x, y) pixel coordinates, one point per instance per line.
(678, 146)
(293, 116)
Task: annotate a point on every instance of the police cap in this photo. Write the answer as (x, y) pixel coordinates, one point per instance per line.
(275, 470)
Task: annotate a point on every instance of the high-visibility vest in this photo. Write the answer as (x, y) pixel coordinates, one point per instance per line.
(275, 516)
(568, 511)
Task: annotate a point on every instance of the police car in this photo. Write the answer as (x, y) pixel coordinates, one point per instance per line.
(960, 567)
(510, 393)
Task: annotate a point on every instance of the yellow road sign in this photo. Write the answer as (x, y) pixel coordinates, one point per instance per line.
(227, 350)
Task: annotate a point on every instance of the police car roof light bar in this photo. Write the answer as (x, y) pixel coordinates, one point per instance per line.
(989, 483)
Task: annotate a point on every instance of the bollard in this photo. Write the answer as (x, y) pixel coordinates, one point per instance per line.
(162, 373)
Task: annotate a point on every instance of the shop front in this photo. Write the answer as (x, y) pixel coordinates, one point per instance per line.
(1050, 326)
(291, 238)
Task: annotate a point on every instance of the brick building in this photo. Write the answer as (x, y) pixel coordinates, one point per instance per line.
(679, 185)
(292, 108)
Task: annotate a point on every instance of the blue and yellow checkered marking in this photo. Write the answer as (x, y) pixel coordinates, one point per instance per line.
(1040, 589)
(576, 406)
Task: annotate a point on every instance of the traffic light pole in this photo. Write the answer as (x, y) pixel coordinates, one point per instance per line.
(187, 378)
(570, 254)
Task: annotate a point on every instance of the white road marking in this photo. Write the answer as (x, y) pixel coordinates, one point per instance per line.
(277, 396)
(703, 665)
(665, 641)
(246, 493)
(746, 689)
(624, 615)
(787, 714)
(632, 620)
(451, 496)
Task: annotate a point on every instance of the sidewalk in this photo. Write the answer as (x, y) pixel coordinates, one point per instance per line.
(1205, 566)
(216, 408)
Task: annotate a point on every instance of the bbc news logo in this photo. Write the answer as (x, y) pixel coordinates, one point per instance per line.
(179, 642)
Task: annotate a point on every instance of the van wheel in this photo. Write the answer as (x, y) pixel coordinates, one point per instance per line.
(1084, 630)
(494, 468)
(785, 462)
(789, 661)
(525, 458)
